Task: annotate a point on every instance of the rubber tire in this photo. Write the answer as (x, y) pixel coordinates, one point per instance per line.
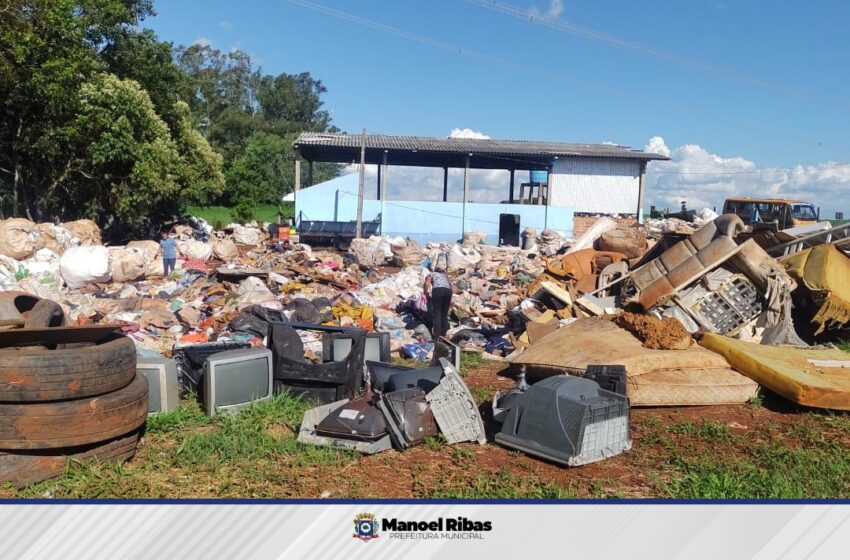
(45, 313)
(38, 374)
(29, 467)
(73, 423)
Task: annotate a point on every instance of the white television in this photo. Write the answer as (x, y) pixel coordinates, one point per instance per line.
(237, 378)
(163, 392)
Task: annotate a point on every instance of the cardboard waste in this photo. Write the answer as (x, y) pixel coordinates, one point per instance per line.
(635, 298)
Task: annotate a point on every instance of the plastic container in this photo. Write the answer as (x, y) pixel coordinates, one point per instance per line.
(610, 378)
(539, 176)
(568, 420)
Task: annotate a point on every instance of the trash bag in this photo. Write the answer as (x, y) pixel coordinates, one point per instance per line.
(84, 265)
(246, 235)
(128, 265)
(255, 320)
(152, 249)
(419, 351)
(224, 249)
(469, 336)
(56, 238)
(195, 249)
(85, 230)
(628, 241)
(19, 238)
(304, 311)
(474, 237)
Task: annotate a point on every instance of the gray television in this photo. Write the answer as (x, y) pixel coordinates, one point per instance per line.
(237, 378)
(161, 373)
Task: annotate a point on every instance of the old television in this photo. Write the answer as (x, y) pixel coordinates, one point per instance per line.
(237, 378)
(336, 347)
(163, 391)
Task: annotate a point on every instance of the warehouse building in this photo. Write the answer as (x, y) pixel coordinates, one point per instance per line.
(546, 184)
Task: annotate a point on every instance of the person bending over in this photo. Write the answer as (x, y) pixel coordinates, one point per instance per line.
(438, 287)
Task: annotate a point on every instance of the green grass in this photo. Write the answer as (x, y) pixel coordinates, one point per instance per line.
(470, 361)
(221, 215)
(501, 485)
(246, 450)
(770, 471)
(708, 429)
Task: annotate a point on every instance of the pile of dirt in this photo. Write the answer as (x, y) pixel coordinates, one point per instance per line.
(660, 334)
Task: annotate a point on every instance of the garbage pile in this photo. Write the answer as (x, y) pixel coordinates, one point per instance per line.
(684, 314)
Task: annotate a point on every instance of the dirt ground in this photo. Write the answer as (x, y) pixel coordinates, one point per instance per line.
(466, 470)
(766, 448)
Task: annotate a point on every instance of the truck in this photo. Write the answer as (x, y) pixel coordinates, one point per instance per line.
(774, 213)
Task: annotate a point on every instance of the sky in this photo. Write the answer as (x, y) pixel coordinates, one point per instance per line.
(747, 97)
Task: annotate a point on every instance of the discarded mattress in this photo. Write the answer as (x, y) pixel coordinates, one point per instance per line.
(823, 270)
(788, 371)
(694, 376)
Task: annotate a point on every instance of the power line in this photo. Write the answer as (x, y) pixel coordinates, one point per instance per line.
(448, 47)
(559, 24)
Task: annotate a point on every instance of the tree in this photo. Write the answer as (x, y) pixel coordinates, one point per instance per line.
(253, 119)
(78, 140)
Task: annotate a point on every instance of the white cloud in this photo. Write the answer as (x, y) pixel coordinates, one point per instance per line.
(555, 9)
(467, 133)
(704, 179)
(225, 24)
(203, 42)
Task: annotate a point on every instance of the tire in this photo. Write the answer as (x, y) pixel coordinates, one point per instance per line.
(37, 374)
(45, 313)
(28, 467)
(73, 423)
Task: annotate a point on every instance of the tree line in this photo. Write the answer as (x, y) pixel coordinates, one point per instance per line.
(101, 119)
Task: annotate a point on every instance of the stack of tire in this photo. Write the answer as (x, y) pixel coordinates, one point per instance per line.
(79, 401)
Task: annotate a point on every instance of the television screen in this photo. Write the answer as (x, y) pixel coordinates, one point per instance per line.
(153, 374)
(372, 351)
(240, 382)
(236, 378)
(161, 374)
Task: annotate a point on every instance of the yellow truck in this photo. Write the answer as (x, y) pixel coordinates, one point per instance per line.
(780, 213)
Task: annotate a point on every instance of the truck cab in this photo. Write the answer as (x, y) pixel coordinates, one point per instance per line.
(776, 213)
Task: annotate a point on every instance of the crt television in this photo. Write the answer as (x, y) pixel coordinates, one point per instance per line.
(336, 347)
(161, 373)
(237, 378)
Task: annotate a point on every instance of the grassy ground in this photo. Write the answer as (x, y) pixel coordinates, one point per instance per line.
(221, 216)
(765, 449)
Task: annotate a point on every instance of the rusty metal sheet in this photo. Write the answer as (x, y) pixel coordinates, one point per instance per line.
(56, 335)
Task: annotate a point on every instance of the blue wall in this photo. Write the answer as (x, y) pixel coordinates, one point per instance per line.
(423, 220)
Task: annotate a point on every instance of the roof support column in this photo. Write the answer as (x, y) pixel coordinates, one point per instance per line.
(641, 192)
(445, 184)
(380, 182)
(359, 228)
(309, 173)
(383, 187)
(465, 191)
(511, 196)
(297, 169)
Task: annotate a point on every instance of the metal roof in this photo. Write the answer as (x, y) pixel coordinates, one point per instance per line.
(424, 150)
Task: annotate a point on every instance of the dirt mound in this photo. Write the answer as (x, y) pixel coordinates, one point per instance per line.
(660, 334)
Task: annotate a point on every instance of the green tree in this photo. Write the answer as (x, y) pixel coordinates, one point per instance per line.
(253, 119)
(79, 135)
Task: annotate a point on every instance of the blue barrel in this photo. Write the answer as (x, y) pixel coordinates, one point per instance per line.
(539, 175)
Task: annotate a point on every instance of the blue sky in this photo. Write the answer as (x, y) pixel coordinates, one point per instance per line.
(747, 95)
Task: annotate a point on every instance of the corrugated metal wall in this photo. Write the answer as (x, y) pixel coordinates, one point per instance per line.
(609, 186)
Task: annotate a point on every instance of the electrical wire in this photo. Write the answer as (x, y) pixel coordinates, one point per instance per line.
(563, 25)
(512, 64)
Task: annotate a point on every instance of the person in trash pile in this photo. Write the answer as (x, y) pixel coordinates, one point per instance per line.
(438, 287)
(169, 253)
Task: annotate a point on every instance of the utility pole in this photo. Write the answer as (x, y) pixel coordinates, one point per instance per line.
(362, 185)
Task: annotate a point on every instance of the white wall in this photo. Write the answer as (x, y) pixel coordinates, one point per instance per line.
(603, 185)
